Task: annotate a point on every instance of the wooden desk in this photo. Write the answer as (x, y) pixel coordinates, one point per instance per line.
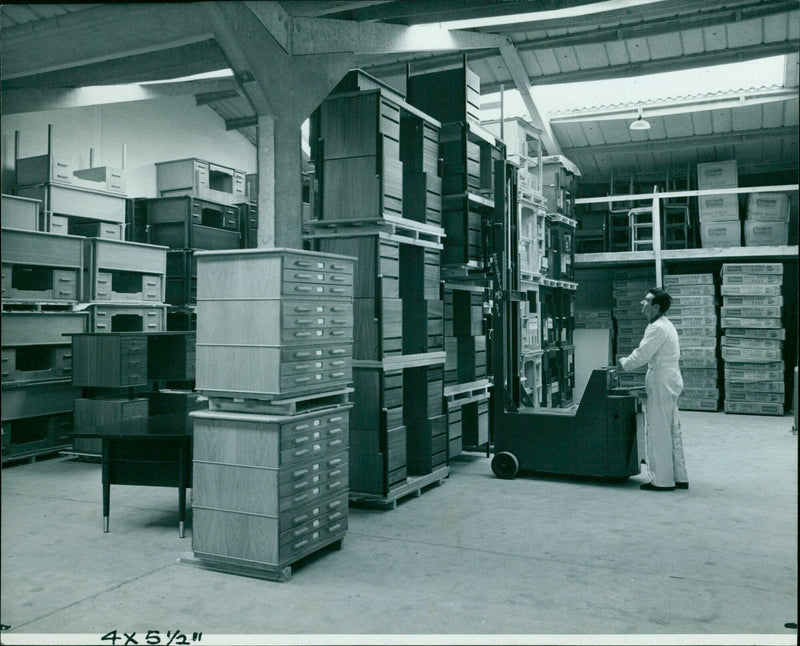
(146, 451)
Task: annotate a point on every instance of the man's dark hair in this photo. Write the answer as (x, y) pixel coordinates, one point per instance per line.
(661, 298)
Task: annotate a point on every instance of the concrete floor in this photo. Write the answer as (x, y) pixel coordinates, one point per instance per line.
(475, 556)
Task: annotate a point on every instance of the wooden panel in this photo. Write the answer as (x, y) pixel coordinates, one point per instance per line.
(124, 256)
(41, 249)
(19, 213)
(378, 328)
(349, 126)
(31, 400)
(40, 328)
(229, 534)
(351, 189)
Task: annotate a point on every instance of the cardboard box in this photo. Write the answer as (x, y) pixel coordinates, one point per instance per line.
(749, 333)
(717, 175)
(726, 233)
(759, 268)
(758, 233)
(751, 289)
(766, 386)
(769, 311)
(745, 342)
(755, 355)
(753, 408)
(718, 207)
(768, 207)
(700, 393)
(689, 279)
(698, 404)
(751, 301)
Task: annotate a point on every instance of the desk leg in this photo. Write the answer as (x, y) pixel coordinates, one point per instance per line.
(106, 481)
(182, 480)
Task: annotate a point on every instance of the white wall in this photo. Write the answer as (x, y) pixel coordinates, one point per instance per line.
(153, 131)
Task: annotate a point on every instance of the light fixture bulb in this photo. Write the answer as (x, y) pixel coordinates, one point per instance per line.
(641, 123)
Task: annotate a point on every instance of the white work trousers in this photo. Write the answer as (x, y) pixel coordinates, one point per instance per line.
(663, 427)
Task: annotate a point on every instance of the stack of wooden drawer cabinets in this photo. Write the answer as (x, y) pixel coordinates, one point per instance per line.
(391, 222)
(274, 355)
(466, 376)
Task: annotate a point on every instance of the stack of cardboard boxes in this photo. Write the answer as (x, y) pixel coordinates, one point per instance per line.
(752, 346)
(693, 312)
(767, 219)
(719, 213)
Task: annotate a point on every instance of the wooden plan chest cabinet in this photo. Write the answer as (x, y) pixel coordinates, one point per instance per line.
(273, 322)
(268, 490)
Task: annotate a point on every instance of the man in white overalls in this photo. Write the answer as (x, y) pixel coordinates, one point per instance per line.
(660, 350)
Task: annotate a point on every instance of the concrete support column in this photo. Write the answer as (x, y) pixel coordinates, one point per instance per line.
(279, 183)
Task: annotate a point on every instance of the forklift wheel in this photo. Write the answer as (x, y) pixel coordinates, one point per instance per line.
(505, 465)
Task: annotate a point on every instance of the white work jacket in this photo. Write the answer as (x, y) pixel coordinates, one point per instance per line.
(660, 350)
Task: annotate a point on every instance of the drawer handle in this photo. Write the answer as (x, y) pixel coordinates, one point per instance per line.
(301, 518)
(337, 290)
(299, 485)
(301, 440)
(335, 418)
(338, 267)
(335, 473)
(304, 321)
(302, 288)
(302, 427)
(335, 515)
(338, 309)
(301, 497)
(339, 321)
(62, 292)
(64, 280)
(299, 473)
(300, 452)
(300, 531)
(66, 369)
(151, 283)
(337, 332)
(336, 442)
(303, 366)
(338, 351)
(303, 309)
(334, 431)
(301, 380)
(300, 545)
(302, 334)
(338, 278)
(334, 485)
(337, 375)
(301, 355)
(335, 527)
(304, 276)
(334, 504)
(302, 263)
(333, 462)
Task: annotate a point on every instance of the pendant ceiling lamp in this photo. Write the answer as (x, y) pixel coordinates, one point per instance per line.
(641, 123)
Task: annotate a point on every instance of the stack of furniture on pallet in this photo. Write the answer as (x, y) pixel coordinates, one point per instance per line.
(470, 155)
(752, 345)
(719, 213)
(694, 315)
(629, 288)
(201, 205)
(377, 173)
(274, 356)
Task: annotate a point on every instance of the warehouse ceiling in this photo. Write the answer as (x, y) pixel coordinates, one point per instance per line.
(48, 49)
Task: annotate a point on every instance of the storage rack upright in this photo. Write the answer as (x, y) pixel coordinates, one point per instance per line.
(378, 198)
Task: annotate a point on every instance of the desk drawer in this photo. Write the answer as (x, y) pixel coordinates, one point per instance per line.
(314, 366)
(322, 469)
(315, 532)
(319, 429)
(293, 354)
(296, 518)
(294, 265)
(313, 450)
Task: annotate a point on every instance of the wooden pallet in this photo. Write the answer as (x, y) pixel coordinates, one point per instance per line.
(399, 229)
(413, 486)
(460, 394)
(280, 573)
(283, 406)
(29, 457)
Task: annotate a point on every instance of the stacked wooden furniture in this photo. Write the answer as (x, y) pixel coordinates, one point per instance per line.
(754, 334)
(376, 164)
(42, 276)
(82, 201)
(274, 356)
(469, 154)
(201, 205)
(693, 313)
